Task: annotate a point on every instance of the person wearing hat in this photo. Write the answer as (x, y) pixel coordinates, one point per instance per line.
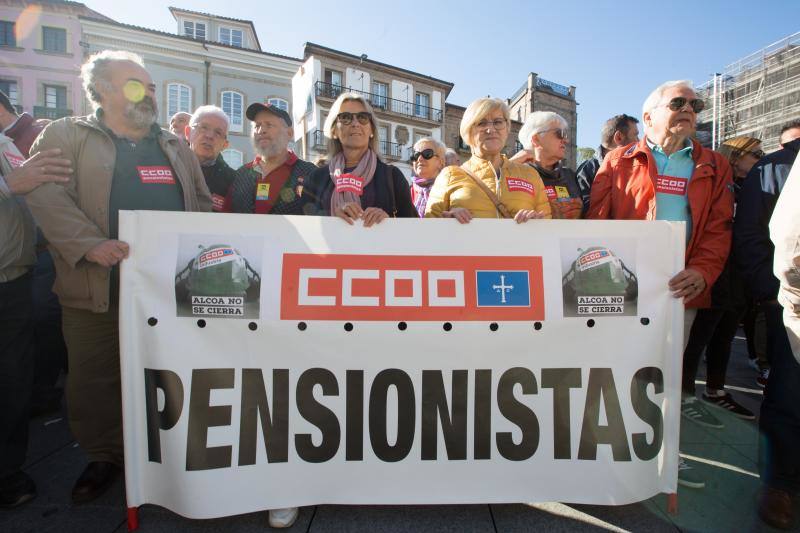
(273, 182)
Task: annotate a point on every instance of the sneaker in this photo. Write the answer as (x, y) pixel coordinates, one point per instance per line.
(16, 489)
(727, 402)
(763, 377)
(687, 475)
(698, 413)
(754, 364)
(283, 518)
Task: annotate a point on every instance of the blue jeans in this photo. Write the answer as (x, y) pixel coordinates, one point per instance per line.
(780, 412)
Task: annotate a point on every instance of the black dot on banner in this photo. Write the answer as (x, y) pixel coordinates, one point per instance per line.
(348, 326)
(645, 321)
(447, 326)
(590, 322)
(301, 326)
(253, 326)
(201, 323)
(152, 321)
(493, 326)
(537, 326)
(402, 326)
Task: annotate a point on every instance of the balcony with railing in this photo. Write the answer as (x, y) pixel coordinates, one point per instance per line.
(382, 103)
(317, 140)
(51, 113)
(390, 149)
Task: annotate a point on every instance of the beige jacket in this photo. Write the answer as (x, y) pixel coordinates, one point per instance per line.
(17, 231)
(784, 230)
(74, 216)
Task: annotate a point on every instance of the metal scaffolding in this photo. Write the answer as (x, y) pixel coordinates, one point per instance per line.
(754, 96)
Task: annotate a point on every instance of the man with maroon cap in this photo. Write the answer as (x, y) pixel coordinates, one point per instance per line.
(273, 182)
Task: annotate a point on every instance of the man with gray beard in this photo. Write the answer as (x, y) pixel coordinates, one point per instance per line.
(122, 160)
(273, 182)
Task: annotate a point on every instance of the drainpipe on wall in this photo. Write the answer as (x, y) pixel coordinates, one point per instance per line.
(208, 81)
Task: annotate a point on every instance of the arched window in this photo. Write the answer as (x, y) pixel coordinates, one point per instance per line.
(233, 106)
(179, 98)
(233, 157)
(280, 103)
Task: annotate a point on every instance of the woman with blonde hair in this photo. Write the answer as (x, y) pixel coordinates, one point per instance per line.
(356, 184)
(427, 159)
(488, 185)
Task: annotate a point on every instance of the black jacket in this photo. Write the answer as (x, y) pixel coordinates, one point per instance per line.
(585, 177)
(753, 251)
(388, 190)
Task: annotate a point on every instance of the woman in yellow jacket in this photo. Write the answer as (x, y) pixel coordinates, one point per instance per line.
(518, 188)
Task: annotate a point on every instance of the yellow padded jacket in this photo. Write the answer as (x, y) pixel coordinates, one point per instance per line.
(520, 187)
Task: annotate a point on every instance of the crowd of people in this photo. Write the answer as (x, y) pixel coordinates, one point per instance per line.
(63, 184)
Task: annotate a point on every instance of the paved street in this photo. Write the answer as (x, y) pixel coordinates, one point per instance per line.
(727, 458)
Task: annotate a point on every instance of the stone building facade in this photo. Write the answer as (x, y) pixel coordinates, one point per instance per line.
(539, 94)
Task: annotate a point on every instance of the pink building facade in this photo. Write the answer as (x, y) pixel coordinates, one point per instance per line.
(41, 55)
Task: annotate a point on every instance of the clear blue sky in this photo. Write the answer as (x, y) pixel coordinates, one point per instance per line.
(615, 53)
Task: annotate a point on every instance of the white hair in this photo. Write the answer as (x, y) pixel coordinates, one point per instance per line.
(655, 97)
(537, 122)
(206, 110)
(95, 71)
(438, 148)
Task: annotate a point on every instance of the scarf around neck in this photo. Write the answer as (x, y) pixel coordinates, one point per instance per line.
(365, 170)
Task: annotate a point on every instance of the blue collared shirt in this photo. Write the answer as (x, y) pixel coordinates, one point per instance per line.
(672, 184)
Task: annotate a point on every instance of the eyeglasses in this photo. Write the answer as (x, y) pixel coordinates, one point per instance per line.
(678, 103)
(758, 154)
(427, 153)
(499, 124)
(204, 129)
(561, 133)
(346, 118)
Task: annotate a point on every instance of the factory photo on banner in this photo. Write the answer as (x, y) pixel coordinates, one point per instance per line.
(218, 276)
(599, 277)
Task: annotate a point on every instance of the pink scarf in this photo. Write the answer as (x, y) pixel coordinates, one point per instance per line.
(365, 169)
(422, 188)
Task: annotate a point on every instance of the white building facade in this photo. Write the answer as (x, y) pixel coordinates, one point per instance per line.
(407, 105)
(190, 69)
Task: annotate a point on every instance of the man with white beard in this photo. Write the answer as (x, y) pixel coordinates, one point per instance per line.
(273, 182)
(121, 160)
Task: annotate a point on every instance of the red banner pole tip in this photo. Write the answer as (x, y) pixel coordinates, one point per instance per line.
(672, 503)
(133, 518)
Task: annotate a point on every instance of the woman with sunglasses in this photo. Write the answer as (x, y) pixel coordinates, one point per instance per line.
(428, 159)
(488, 185)
(356, 184)
(544, 137)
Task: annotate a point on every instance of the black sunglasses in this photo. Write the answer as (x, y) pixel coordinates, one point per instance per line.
(757, 154)
(427, 153)
(346, 117)
(677, 103)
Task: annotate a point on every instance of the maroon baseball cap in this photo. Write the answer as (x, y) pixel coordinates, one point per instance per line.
(255, 108)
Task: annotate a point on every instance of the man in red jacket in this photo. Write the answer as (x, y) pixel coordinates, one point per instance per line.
(669, 176)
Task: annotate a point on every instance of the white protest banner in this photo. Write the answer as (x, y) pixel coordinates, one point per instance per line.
(272, 361)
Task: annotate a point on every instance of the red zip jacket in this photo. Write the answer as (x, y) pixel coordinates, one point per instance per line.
(624, 189)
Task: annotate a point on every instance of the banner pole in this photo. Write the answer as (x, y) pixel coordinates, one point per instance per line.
(672, 503)
(133, 518)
